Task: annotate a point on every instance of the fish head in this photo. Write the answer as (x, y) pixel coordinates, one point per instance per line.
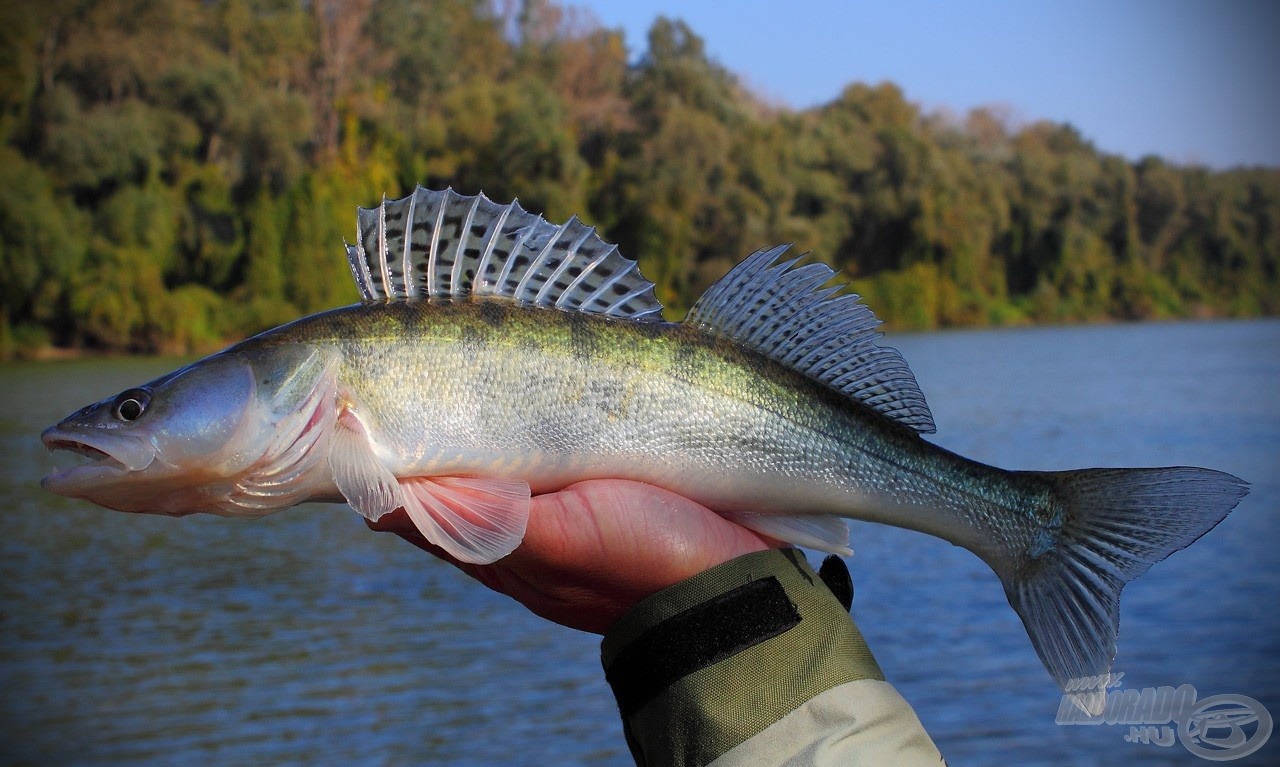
(158, 447)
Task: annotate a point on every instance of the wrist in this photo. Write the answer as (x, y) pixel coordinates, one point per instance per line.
(717, 658)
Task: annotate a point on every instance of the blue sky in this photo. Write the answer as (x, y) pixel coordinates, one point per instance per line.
(1191, 80)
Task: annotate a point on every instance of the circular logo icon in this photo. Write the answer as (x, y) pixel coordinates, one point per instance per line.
(1225, 727)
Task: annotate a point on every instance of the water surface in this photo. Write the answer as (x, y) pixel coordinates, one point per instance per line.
(303, 638)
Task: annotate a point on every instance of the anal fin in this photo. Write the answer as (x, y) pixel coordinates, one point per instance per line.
(815, 531)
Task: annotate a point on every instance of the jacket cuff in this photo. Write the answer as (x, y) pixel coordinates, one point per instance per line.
(702, 666)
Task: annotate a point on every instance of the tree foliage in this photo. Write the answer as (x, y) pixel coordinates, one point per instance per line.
(174, 173)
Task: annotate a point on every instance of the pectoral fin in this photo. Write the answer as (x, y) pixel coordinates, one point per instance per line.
(475, 520)
(367, 485)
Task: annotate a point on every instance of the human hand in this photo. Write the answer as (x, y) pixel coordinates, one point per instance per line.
(595, 549)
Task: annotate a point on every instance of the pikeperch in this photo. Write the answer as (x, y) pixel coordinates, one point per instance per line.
(495, 356)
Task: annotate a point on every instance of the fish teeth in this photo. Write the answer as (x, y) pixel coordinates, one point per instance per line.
(79, 448)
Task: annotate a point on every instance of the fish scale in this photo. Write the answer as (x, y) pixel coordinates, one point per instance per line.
(495, 355)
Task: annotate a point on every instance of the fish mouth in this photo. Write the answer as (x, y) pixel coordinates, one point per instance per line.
(72, 446)
(108, 457)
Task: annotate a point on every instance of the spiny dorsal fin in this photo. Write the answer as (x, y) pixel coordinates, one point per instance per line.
(442, 244)
(782, 311)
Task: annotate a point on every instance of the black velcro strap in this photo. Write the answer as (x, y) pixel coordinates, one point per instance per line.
(698, 638)
(835, 574)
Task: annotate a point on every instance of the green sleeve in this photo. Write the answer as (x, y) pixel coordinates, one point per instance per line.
(702, 667)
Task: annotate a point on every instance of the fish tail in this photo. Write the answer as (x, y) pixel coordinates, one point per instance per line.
(1109, 526)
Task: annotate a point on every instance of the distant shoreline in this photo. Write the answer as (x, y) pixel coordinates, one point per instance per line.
(69, 354)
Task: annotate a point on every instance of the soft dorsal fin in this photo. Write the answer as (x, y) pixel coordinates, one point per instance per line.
(435, 244)
(782, 311)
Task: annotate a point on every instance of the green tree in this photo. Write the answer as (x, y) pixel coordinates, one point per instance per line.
(42, 248)
(154, 174)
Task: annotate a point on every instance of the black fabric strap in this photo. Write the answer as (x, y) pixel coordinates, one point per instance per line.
(835, 574)
(698, 638)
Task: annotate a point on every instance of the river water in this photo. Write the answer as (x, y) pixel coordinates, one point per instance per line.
(303, 638)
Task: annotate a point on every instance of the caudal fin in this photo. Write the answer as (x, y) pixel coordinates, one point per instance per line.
(1115, 524)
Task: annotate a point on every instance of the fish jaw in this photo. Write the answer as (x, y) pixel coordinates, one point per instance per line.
(107, 478)
(126, 474)
(109, 458)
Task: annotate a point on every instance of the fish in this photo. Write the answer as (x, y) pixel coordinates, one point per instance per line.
(495, 356)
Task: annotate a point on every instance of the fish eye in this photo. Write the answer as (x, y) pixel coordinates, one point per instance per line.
(130, 404)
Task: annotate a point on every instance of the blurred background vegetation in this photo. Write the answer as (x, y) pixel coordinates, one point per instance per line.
(176, 173)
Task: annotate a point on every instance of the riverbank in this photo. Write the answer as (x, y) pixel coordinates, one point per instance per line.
(37, 348)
